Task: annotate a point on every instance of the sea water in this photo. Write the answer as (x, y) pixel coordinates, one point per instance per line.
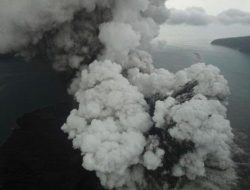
(25, 87)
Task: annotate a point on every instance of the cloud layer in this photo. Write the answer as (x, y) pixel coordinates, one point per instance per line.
(198, 16)
(190, 16)
(234, 16)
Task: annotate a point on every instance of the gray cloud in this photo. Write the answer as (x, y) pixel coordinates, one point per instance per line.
(234, 16)
(198, 16)
(190, 16)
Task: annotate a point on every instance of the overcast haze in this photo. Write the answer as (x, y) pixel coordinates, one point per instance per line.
(206, 19)
(211, 6)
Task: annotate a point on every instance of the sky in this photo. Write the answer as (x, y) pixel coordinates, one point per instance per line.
(211, 6)
(206, 19)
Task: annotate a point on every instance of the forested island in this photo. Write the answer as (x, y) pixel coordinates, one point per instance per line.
(240, 43)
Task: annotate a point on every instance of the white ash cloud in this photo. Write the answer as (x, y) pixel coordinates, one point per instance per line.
(122, 99)
(211, 83)
(128, 39)
(109, 124)
(203, 122)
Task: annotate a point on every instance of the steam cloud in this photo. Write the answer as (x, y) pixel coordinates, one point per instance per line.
(137, 126)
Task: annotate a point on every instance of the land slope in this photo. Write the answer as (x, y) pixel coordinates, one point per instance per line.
(240, 43)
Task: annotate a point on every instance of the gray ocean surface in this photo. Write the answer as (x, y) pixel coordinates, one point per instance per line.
(25, 87)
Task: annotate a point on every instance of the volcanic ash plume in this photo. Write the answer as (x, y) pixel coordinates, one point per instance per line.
(138, 127)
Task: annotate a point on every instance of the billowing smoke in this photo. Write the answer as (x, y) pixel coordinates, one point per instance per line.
(138, 127)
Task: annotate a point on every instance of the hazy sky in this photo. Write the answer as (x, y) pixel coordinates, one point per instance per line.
(195, 24)
(211, 6)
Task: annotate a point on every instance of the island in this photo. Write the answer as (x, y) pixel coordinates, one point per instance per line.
(240, 43)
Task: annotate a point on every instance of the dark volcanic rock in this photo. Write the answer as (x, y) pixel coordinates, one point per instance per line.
(38, 155)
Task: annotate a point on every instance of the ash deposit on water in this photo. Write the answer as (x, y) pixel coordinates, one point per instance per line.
(138, 127)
